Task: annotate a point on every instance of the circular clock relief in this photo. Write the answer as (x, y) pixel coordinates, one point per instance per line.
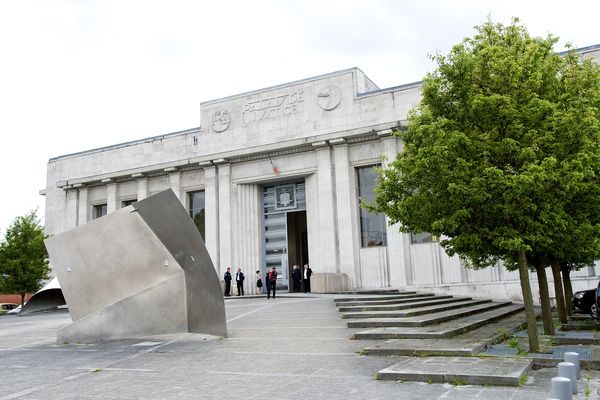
(329, 97)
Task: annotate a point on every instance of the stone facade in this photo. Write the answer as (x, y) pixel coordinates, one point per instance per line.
(316, 132)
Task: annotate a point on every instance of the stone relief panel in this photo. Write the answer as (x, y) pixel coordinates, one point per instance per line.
(273, 107)
(221, 120)
(329, 97)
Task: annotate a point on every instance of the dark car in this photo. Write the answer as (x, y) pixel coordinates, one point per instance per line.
(584, 300)
(588, 301)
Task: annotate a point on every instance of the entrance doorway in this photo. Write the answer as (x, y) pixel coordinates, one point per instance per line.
(285, 236)
(297, 238)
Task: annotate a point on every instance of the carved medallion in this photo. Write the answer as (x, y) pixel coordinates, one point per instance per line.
(329, 97)
(221, 120)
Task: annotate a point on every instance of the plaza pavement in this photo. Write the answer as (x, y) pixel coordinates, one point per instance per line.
(294, 347)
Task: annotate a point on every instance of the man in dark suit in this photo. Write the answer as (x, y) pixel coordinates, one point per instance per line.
(227, 279)
(296, 276)
(239, 280)
(271, 282)
(306, 278)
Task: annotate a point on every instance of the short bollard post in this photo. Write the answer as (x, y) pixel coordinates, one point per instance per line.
(567, 370)
(561, 388)
(573, 358)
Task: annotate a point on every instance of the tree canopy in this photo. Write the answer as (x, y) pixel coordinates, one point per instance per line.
(23, 257)
(501, 158)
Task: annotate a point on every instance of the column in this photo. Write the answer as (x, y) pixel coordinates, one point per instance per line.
(71, 211)
(347, 209)
(142, 186)
(225, 235)
(398, 243)
(111, 197)
(248, 233)
(211, 214)
(175, 182)
(327, 219)
(83, 206)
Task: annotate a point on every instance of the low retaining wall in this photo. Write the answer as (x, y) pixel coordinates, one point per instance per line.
(328, 282)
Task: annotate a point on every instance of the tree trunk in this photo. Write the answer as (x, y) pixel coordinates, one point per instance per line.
(534, 343)
(22, 299)
(540, 269)
(566, 278)
(558, 292)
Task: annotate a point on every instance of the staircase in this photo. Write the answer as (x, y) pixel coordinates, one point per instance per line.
(445, 329)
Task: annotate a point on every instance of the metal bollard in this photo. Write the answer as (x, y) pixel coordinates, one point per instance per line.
(561, 388)
(567, 370)
(573, 358)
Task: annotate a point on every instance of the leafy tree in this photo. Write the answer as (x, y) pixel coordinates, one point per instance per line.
(23, 257)
(496, 152)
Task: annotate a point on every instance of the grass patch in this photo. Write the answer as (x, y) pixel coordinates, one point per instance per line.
(523, 379)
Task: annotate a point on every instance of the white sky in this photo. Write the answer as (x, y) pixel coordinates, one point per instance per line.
(76, 75)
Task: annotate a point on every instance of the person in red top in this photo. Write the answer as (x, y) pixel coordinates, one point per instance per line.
(271, 282)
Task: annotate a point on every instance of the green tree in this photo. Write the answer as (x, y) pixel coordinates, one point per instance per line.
(23, 257)
(495, 152)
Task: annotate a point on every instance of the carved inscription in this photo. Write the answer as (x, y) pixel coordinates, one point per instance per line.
(273, 107)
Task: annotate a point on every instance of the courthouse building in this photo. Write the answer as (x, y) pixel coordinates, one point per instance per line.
(274, 178)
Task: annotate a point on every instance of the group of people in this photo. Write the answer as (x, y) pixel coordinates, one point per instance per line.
(239, 280)
(270, 281)
(301, 276)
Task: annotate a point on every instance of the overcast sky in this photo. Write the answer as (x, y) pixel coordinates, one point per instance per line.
(76, 75)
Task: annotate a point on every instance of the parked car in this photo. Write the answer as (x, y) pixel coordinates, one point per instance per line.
(6, 307)
(588, 302)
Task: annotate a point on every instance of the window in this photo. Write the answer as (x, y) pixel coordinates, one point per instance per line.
(422, 237)
(126, 203)
(196, 202)
(99, 211)
(372, 225)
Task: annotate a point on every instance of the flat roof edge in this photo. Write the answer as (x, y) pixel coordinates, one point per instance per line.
(125, 144)
(282, 85)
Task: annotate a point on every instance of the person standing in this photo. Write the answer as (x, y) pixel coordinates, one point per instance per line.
(239, 280)
(227, 279)
(306, 278)
(259, 283)
(296, 276)
(271, 282)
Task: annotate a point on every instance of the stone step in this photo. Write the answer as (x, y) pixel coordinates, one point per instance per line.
(371, 291)
(443, 330)
(405, 305)
(459, 370)
(468, 344)
(388, 300)
(415, 312)
(429, 319)
(343, 300)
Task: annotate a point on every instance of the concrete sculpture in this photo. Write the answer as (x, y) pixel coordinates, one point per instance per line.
(48, 298)
(142, 270)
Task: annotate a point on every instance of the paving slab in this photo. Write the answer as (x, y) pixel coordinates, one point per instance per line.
(261, 359)
(459, 370)
(428, 319)
(414, 312)
(405, 305)
(445, 329)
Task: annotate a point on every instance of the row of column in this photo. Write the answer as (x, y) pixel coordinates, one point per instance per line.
(233, 217)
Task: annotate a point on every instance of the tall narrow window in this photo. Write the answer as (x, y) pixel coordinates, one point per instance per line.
(196, 202)
(99, 210)
(372, 225)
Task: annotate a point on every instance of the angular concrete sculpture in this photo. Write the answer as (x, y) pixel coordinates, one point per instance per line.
(142, 270)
